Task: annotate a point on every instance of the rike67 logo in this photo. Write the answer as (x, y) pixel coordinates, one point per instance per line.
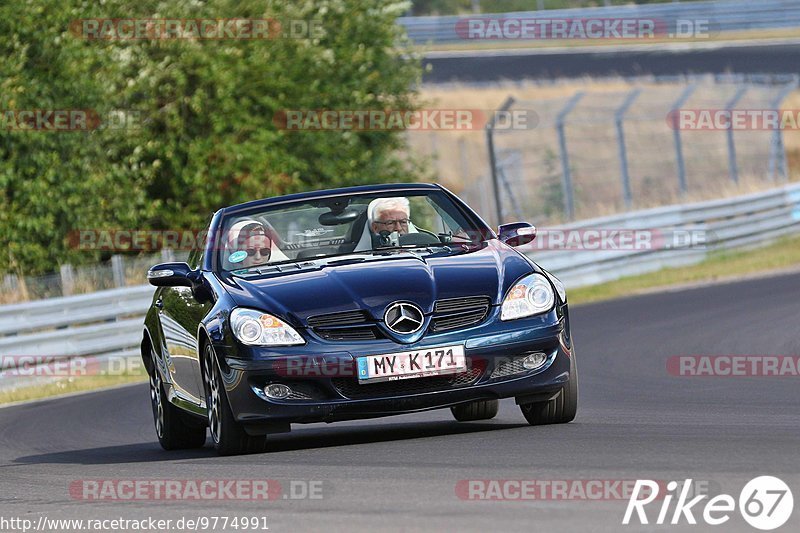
(766, 503)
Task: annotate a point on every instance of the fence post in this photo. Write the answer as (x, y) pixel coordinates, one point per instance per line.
(676, 133)
(777, 157)
(729, 107)
(67, 280)
(10, 283)
(510, 157)
(566, 184)
(118, 270)
(498, 202)
(619, 118)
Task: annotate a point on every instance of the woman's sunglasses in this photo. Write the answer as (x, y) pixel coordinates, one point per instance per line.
(265, 252)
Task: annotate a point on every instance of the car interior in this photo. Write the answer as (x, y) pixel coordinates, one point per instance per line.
(350, 229)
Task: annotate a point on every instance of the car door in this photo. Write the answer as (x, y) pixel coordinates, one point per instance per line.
(180, 316)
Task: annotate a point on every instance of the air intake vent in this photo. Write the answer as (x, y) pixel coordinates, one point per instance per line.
(345, 326)
(454, 305)
(351, 388)
(454, 313)
(346, 318)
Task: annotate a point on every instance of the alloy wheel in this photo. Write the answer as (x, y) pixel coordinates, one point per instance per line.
(212, 395)
(158, 402)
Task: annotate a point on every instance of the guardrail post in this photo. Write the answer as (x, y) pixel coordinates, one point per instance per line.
(498, 201)
(118, 270)
(733, 167)
(676, 133)
(67, 279)
(619, 118)
(566, 184)
(777, 158)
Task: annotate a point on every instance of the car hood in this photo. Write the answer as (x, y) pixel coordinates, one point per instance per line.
(373, 284)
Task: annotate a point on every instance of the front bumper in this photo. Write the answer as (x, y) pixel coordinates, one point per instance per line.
(327, 389)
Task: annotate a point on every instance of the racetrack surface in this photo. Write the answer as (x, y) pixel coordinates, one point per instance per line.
(486, 66)
(400, 473)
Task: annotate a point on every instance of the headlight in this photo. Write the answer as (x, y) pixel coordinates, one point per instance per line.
(560, 289)
(532, 295)
(261, 329)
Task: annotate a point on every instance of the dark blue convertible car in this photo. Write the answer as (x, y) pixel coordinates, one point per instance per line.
(353, 303)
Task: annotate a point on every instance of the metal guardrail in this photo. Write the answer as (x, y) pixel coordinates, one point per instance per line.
(723, 16)
(743, 221)
(82, 309)
(110, 322)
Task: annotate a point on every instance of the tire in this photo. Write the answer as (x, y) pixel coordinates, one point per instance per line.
(228, 435)
(561, 409)
(478, 410)
(174, 429)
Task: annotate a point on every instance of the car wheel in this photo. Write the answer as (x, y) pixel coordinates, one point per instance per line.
(173, 428)
(559, 410)
(478, 410)
(228, 435)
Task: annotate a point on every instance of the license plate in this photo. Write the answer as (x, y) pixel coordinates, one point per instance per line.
(412, 364)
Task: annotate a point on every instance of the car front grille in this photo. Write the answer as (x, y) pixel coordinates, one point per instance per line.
(454, 313)
(448, 314)
(346, 318)
(345, 326)
(350, 387)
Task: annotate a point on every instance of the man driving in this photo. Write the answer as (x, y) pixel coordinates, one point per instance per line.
(390, 214)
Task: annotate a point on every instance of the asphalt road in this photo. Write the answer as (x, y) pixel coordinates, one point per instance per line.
(401, 473)
(622, 61)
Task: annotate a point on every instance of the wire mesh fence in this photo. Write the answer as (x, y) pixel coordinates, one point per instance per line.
(598, 153)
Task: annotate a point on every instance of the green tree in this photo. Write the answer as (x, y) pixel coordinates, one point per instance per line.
(206, 137)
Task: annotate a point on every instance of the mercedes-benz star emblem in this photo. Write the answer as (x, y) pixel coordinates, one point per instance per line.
(404, 318)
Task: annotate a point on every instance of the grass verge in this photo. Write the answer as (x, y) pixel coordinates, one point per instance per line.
(721, 265)
(66, 386)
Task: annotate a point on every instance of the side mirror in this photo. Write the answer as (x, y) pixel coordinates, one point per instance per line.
(517, 233)
(171, 275)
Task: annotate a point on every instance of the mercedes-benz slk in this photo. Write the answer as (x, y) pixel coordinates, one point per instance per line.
(349, 304)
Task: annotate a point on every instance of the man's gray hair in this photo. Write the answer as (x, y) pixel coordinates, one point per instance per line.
(385, 204)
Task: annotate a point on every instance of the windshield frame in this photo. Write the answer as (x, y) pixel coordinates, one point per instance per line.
(214, 257)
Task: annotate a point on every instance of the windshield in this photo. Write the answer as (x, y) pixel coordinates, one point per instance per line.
(342, 225)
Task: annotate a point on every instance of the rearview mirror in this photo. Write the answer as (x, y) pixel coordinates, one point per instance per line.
(170, 275)
(517, 233)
